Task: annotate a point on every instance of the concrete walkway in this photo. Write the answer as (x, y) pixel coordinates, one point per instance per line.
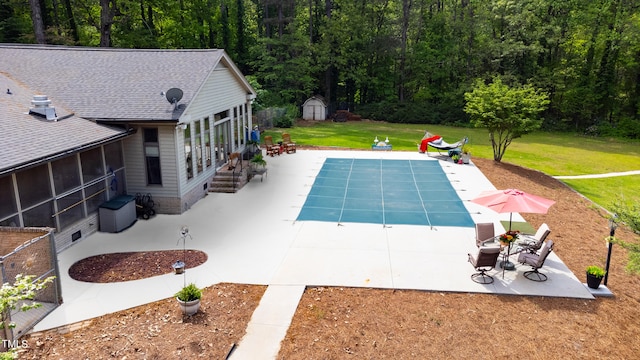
(596, 176)
(252, 237)
(269, 323)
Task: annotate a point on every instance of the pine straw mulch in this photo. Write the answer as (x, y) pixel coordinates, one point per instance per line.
(338, 323)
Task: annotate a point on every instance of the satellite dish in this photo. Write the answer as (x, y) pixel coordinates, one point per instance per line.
(174, 95)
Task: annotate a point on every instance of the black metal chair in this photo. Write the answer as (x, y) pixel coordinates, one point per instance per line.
(536, 261)
(483, 262)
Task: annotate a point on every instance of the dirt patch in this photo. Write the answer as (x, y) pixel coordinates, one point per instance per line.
(338, 323)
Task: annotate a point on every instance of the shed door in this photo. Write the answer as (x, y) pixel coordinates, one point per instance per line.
(307, 112)
(318, 113)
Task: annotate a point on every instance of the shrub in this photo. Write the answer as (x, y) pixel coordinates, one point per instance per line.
(628, 213)
(287, 117)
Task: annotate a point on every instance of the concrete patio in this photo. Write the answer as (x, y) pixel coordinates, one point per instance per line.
(253, 237)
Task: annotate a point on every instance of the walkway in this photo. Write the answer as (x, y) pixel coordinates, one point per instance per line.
(596, 176)
(252, 237)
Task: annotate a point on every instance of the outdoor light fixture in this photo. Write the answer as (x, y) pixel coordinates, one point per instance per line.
(613, 225)
(180, 266)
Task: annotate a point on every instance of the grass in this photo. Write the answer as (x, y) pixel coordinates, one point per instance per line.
(551, 153)
(603, 191)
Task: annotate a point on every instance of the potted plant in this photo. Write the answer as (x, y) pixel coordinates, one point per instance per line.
(594, 276)
(508, 238)
(455, 158)
(258, 161)
(466, 154)
(189, 299)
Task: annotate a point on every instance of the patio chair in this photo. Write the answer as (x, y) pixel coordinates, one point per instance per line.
(272, 149)
(289, 146)
(485, 233)
(536, 261)
(533, 243)
(483, 262)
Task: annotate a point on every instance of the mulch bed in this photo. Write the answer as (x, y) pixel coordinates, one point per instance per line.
(115, 267)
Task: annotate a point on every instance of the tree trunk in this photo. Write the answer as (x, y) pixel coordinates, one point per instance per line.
(73, 28)
(38, 24)
(106, 20)
(406, 12)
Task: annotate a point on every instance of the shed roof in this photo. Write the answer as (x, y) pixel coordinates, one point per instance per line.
(316, 98)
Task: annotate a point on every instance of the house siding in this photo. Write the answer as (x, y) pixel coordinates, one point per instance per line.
(192, 189)
(221, 92)
(166, 196)
(86, 226)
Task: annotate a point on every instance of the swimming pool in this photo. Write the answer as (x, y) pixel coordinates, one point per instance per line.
(378, 191)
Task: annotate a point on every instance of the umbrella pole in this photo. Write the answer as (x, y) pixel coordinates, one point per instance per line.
(510, 216)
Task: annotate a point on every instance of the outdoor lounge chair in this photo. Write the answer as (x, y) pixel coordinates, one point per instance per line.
(455, 148)
(533, 243)
(289, 146)
(483, 262)
(484, 233)
(272, 149)
(536, 261)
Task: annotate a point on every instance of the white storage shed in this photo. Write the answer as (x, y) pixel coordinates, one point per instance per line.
(315, 108)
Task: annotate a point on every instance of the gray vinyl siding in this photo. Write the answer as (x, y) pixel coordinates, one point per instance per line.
(222, 91)
(136, 167)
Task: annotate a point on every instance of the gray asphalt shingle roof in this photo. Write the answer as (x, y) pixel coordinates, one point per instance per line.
(107, 83)
(89, 83)
(27, 139)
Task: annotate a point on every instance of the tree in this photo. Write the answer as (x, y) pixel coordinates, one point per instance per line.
(24, 287)
(507, 112)
(107, 15)
(38, 24)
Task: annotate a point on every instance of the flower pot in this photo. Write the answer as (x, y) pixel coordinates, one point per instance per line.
(465, 158)
(593, 281)
(189, 307)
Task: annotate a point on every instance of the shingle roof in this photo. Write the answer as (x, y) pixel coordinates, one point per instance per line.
(107, 83)
(29, 139)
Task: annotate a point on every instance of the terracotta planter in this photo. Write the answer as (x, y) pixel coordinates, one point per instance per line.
(189, 307)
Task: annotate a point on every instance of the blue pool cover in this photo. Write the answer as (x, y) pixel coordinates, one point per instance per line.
(409, 192)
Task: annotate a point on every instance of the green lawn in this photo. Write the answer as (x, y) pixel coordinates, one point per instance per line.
(552, 153)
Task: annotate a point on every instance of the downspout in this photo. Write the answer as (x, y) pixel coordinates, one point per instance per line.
(178, 130)
(250, 98)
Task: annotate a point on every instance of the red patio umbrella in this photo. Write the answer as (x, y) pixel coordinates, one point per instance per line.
(513, 200)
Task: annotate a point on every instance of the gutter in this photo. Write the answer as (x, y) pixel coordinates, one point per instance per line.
(52, 157)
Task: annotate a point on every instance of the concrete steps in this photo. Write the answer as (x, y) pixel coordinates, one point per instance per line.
(225, 181)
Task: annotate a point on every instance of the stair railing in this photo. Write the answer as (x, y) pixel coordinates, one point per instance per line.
(236, 174)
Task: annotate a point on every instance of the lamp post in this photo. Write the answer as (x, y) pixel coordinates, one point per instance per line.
(612, 232)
